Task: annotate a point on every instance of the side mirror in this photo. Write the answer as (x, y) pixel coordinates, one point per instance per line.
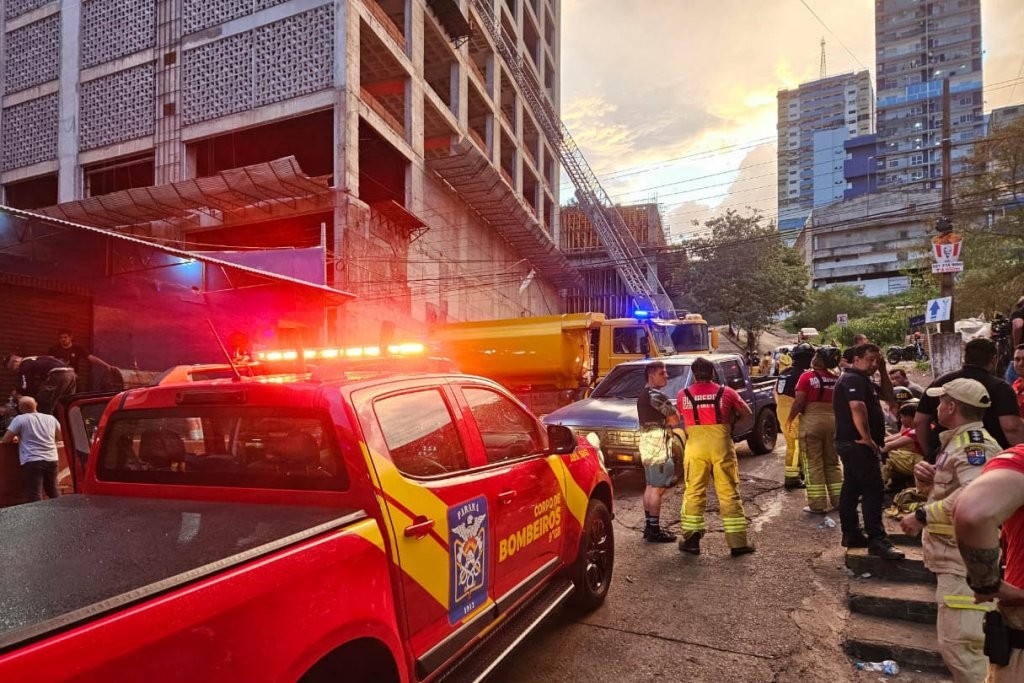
(561, 440)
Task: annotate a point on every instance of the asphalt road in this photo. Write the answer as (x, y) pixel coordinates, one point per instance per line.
(775, 615)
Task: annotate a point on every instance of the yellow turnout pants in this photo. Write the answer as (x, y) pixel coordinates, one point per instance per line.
(793, 456)
(817, 446)
(709, 453)
(959, 627)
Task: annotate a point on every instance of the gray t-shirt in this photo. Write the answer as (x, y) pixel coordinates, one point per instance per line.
(37, 436)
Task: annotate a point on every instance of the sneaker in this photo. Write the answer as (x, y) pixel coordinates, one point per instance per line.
(742, 550)
(883, 548)
(855, 540)
(691, 545)
(658, 535)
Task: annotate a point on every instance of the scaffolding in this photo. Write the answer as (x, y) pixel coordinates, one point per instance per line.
(623, 249)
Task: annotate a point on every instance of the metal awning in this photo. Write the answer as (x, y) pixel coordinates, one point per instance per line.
(267, 187)
(480, 183)
(29, 242)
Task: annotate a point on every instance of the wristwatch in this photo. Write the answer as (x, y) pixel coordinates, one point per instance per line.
(921, 516)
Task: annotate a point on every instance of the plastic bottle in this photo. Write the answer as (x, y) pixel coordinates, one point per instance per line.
(888, 667)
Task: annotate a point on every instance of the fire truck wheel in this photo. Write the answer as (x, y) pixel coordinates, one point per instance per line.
(592, 571)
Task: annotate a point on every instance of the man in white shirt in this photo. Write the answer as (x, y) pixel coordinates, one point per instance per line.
(37, 434)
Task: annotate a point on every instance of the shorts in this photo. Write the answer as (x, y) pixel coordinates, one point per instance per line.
(660, 475)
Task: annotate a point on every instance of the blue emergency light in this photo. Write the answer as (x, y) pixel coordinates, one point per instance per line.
(641, 314)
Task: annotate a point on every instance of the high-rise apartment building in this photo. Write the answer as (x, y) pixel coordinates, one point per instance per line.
(814, 121)
(412, 156)
(919, 43)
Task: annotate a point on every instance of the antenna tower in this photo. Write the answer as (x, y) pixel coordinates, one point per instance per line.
(822, 74)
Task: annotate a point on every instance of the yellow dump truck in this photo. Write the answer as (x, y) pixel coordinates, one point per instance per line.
(550, 361)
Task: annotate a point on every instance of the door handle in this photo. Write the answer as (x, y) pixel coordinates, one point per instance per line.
(506, 496)
(419, 528)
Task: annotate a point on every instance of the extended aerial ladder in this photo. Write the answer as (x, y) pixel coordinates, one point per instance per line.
(622, 246)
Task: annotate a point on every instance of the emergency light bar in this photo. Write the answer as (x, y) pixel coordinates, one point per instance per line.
(407, 349)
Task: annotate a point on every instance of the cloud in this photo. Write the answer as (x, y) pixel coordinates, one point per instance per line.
(678, 99)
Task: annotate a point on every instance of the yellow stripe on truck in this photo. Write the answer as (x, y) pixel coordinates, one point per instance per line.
(368, 531)
(576, 498)
(423, 559)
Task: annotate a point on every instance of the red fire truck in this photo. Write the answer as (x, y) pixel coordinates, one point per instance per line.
(365, 526)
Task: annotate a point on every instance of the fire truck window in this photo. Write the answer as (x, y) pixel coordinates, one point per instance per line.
(420, 433)
(627, 339)
(243, 447)
(507, 432)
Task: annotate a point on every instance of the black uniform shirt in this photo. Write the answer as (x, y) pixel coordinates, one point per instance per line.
(71, 356)
(855, 386)
(33, 371)
(1004, 402)
(653, 407)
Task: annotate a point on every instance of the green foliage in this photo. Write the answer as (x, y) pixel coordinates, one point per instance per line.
(745, 272)
(824, 305)
(993, 253)
(882, 329)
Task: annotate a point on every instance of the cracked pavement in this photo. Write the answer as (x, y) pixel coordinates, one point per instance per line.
(775, 615)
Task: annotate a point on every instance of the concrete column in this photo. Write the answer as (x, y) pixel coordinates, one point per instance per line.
(170, 162)
(69, 178)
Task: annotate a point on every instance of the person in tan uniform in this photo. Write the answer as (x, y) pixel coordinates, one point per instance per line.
(813, 409)
(965, 447)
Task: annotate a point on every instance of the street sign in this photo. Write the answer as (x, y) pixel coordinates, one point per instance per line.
(937, 310)
(842, 319)
(916, 321)
(950, 267)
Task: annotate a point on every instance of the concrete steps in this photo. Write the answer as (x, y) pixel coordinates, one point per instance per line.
(893, 600)
(893, 612)
(909, 644)
(908, 570)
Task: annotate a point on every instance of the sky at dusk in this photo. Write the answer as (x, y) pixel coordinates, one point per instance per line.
(675, 100)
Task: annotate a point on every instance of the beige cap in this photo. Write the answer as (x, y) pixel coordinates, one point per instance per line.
(969, 391)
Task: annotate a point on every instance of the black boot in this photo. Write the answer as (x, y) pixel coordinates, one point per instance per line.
(691, 544)
(883, 548)
(742, 550)
(655, 534)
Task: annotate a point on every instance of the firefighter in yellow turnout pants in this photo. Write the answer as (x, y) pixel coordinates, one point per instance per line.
(708, 411)
(813, 409)
(785, 394)
(966, 446)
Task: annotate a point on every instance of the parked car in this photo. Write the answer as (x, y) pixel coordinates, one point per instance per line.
(610, 411)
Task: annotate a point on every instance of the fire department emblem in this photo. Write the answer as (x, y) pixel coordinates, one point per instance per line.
(467, 541)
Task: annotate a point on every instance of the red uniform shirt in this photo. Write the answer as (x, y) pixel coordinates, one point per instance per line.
(704, 394)
(1018, 388)
(817, 385)
(1013, 528)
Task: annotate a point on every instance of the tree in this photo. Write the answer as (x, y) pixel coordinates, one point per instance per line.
(990, 216)
(823, 305)
(743, 271)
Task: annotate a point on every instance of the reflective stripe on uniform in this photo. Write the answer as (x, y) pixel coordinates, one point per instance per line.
(941, 529)
(966, 602)
(734, 524)
(692, 523)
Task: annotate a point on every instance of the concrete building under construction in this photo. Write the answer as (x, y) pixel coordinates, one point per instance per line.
(603, 289)
(390, 134)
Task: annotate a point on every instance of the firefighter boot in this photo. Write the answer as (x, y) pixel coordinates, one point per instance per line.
(691, 544)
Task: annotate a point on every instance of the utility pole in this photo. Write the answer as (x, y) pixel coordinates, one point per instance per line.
(945, 222)
(822, 69)
(945, 346)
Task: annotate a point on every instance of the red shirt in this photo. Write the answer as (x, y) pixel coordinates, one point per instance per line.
(1018, 388)
(1013, 528)
(912, 433)
(817, 385)
(704, 394)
